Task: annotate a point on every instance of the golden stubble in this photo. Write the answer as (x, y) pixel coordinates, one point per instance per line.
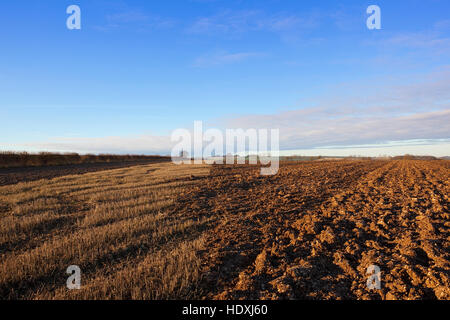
(118, 226)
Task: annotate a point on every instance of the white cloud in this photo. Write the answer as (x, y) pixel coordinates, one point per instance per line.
(417, 110)
(363, 117)
(440, 149)
(144, 144)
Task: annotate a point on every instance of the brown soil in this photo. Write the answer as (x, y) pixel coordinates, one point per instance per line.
(312, 230)
(161, 231)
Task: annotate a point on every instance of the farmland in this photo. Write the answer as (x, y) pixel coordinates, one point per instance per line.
(161, 231)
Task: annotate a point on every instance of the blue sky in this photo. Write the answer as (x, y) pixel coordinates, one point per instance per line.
(139, 69)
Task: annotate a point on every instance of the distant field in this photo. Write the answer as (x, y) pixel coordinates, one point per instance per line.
(14, 175)
(161, 231)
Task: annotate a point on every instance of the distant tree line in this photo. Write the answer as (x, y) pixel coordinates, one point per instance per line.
(413, 157)
(10, 159)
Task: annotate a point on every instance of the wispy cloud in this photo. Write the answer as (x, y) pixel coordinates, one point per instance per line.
(134, 19)
(419, 40)
(236, 22)
(434, 39)
(224, 58)
(126, 17)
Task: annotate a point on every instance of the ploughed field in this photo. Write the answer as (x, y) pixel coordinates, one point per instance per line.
(161, 231)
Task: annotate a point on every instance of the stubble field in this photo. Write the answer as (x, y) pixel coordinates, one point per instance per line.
(161, 231)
